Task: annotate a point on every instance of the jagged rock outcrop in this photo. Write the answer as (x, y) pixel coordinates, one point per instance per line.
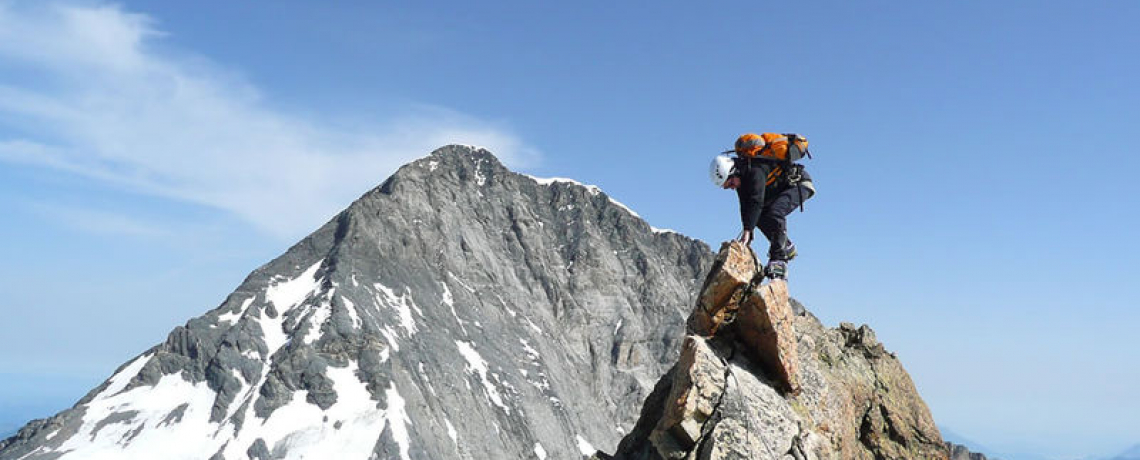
(459, 310)
(728, 396)
(960, 452)
(733, 302)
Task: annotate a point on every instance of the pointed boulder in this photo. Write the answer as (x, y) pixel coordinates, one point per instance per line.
(698, 386)
(764, 325)
(733, 302)
(733, 269)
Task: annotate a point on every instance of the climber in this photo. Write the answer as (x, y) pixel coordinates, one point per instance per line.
(770, 185)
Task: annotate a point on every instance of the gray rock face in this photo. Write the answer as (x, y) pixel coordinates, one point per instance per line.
(853, 406)
(960, 452)
(458, 310)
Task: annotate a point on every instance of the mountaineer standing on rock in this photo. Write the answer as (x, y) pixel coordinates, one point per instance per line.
(770, 185)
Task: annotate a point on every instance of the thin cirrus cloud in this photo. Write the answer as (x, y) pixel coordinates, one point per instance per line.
(90, 91)
(99, 222)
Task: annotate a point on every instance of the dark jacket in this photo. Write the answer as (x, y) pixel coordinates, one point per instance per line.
(755, 192)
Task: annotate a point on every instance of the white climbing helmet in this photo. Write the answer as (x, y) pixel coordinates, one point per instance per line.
(722, 166)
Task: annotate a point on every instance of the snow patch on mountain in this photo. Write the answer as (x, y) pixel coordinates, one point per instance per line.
(352, 313)
(349, 428)
(272, 332)
(289, 293)
(478, 366)
(584, 446)
(626, 208)
(534, 327)
(123, 377)
(427, 380)
(593, 189)
(391, 336)
(233, 317)
(447, 298)
(451, 433)
(450, 302)
(402, 304)
(317, 319)
(111, 425)
(462, 284)
(398, 420)
(530, 351)
(285, 294)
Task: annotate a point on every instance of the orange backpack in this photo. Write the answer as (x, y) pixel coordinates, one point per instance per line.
(780, 147)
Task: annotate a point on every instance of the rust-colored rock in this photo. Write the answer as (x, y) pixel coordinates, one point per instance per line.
(760, 316)
(720, 295)
(698, 383)
(765, 325)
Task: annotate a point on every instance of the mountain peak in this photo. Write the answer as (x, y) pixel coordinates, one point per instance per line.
(462, 150)
(459, 310)
(459, 156)
(451, 165)
(481, 176)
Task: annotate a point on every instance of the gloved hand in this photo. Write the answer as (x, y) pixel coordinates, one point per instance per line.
(745, 237)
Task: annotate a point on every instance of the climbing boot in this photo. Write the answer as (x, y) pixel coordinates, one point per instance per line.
(790, 251)
(777, 269)
(787, 253)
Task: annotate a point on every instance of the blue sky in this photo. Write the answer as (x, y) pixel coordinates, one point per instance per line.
(975, 165)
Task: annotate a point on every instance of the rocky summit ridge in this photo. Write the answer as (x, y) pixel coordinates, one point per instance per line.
(758, 378)
(462, 310)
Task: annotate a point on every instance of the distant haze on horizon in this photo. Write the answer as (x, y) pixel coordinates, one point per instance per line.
(976, 202)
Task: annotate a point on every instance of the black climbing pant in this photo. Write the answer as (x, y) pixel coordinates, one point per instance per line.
(773, 220)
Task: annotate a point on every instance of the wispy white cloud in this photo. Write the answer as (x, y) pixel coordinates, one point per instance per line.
(101, 222)
(90, 90)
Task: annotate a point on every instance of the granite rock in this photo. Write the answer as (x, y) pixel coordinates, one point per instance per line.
(730, 395)
(457, 310)
(960, 452)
